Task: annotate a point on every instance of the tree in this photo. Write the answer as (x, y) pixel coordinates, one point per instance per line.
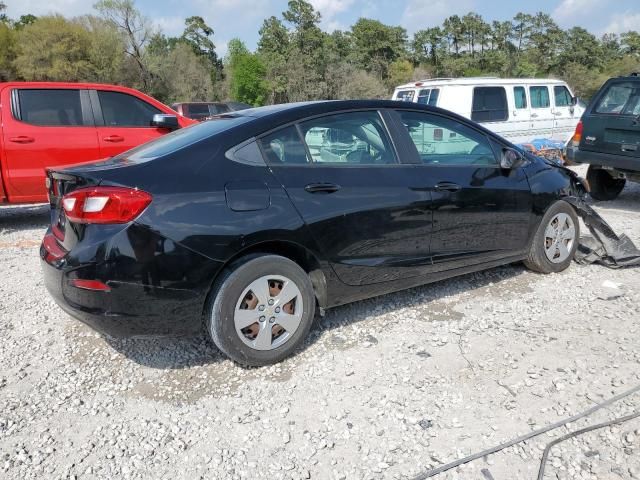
(400, 72)
(247, 74)
(135, 28)
(3, 15)
(631, 43)
(24, 20)
(273, 49)
(427, 45)
(7, 52)
(522, 26)
(378, 45)
(583, 48)
(454, 30)
(53, 48)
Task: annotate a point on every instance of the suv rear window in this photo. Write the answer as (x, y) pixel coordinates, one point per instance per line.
(489, 104)
(620, 99)
(50, 108)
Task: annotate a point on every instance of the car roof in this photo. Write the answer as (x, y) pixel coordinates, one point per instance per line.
(471, 81)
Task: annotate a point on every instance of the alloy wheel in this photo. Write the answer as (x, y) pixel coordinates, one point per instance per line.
(559, 237)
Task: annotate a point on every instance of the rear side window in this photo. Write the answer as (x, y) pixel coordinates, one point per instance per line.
(620, 99)
(444, 141)
(50, 108)
(357, 138)
(563, 97)
(539, 97)
(428, 96)
(520, 95)
(489, 104)
(284, 147)
(124, 110)
(405, 95)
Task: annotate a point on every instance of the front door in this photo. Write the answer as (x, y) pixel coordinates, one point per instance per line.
(565, 114)
(369, 218)
(44, 128)
(542, 117)
(123, 121)
(480, 211)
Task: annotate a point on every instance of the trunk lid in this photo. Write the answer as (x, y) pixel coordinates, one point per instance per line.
(613, 123)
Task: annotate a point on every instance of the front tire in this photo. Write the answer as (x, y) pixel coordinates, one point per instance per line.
(555, 242)
(603, 185)
(260, 310)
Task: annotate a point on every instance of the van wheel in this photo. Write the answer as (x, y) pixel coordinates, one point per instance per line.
(555, 241)
(260, 310)
(603, 185)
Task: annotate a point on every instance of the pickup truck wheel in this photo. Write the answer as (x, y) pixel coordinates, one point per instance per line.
(603, 185)
(555, 241)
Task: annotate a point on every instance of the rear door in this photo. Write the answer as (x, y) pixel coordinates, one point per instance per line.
(481, 212)
(564, 112)
(44, 128)
(123, 121)
(520, 121)
(613, 123)
(542, 117)
(345, 177)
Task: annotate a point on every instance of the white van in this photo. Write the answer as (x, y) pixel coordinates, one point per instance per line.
(519, 109)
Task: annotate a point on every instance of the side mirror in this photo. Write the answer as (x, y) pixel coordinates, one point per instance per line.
(164, 120)
(574, 101)
(511, 159)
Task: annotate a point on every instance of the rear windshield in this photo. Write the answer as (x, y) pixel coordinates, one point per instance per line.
(182, 138)
(405, 95)
(620, 99)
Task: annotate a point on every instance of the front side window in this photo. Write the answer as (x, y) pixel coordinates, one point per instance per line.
(357, 138)
(620, 99)
(443, 141)
(489, 104)
(124, 110)
(539, 97)
(520, 95)
(50, 108)
(563, 97)
(284, 147)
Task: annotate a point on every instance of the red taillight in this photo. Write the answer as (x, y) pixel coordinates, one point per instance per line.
(94, 285)
(105, 204)
(577, 136)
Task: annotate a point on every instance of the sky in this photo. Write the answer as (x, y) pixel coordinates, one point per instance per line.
(243, 18)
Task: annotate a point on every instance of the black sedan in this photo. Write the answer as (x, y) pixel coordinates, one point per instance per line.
(250, 223)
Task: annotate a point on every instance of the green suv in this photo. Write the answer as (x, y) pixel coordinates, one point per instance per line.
(608, 137)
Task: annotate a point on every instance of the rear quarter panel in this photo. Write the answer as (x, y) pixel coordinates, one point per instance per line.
(3, 107)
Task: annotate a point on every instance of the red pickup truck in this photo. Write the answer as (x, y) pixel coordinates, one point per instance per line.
(50, 124)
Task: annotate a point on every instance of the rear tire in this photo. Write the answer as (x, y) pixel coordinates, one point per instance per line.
(250, 316)
(555, 242)
(603, 185)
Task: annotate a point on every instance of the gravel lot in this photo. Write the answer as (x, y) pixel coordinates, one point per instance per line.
(385, 388)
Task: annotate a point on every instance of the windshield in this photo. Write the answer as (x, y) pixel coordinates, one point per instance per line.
(182, 138)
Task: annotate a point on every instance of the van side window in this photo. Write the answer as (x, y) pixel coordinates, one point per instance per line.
(50, 108)
(489, 104)
(428, 96)
(539, 97)
(520, 95)
(563, 97)
(444, 141)
(405, 95)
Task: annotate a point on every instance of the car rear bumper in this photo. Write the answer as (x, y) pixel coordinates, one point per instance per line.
(620, 162)
(129, 308)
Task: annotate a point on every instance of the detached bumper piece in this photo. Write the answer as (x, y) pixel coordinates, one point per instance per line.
(604, 247)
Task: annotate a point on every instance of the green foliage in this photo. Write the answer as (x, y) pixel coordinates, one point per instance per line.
(247, 74)
(296, 60)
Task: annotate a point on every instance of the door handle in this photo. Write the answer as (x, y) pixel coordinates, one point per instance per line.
(114, 139)
(22, 139)
(557, 113)
(322, 188)
(447, 187)
(534, 115)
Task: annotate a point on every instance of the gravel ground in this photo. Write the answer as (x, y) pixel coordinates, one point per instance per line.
(385, 388)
